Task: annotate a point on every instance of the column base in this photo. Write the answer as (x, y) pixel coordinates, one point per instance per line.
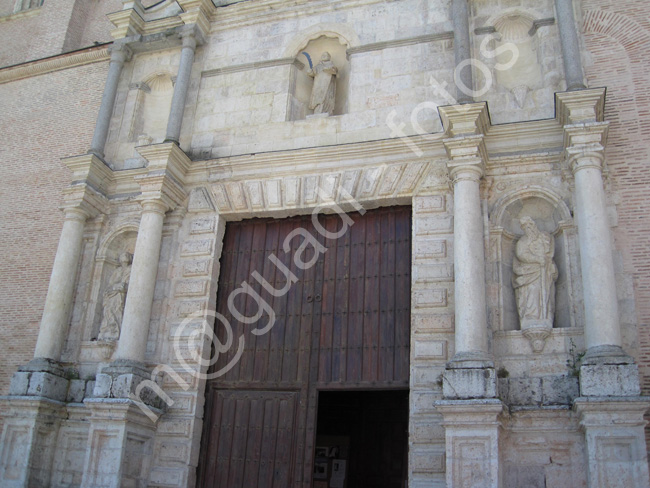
(122, 380)
(41, 377)
(469, 375)
(615, 440)
(469, 383)
(472, 441)
(28, 442)
(607, 371)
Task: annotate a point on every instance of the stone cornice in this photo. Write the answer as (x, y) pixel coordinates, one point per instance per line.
(21, 15)
(47, 65)
(165, 180)
(378, 46)
(208, 18)
(84, 197)
(326, 158)
(249, 13)
(88, 168)
(580, 106)
(252, 66)
(460, 120)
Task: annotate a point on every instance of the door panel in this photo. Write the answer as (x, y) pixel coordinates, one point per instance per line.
(345, 323)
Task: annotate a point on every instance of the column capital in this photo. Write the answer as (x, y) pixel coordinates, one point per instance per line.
(156, 205)
(585, 145)
(120, 52)
(466, 119)
(82, 198)
(191, 36)
(168, 165)
(467, 157)
(580, 106)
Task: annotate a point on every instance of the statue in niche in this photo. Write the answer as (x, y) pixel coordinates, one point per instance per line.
(534, 277)
(114, 298)
(324, 89)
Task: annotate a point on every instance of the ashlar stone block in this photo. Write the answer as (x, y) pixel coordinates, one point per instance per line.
(467, 383)
(48, 385)
(615, 380)
(19, 383)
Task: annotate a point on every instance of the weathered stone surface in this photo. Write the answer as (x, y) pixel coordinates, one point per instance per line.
(102, 388)
(609, 380)
(468, 383)
(76, 391)
(48, 385)
(559, 390)
(19, 383)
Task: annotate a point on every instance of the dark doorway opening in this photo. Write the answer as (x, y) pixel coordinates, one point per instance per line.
(361, 439)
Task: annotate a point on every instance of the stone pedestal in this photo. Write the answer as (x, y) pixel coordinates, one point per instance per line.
(615, 438)
(472, 442)
(120, 444)
(29, 439)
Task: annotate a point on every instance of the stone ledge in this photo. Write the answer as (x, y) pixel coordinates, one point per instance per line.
(55, 63)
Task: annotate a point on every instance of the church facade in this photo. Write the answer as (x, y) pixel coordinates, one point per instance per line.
(270, 243)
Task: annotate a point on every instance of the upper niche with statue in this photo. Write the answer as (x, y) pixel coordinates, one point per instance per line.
(319, 79)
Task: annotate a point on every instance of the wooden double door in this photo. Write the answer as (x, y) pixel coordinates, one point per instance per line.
(332, 303)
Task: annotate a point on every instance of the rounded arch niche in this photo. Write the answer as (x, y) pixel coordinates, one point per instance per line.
(551, 215)
(308, 51)
(121, 240)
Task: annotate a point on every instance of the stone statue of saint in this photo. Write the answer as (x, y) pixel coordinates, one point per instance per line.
(324, 90)
(534, 276)
(114, 298)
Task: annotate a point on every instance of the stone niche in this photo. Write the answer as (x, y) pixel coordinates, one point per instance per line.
(302, 84)
(106, 262)
(551, 215)
(518, 48)
(147, 107)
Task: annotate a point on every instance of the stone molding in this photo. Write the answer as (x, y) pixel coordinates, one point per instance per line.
(226, 70)
(580, 106)
(407, 41)
(22, 14)
(55, 63)
(467, 119)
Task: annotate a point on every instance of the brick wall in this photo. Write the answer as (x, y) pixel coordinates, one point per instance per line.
(58, 26)
(43, 119)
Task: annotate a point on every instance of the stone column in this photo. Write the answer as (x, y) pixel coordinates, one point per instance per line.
(175, 120)
(470, 373)
(469, 258)
(161, 192)
(597, 265)
(610, 408)
(462, 51)
(606, 369)
(570, 46)
(120, 53)
(60, 292)
(137, 309)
